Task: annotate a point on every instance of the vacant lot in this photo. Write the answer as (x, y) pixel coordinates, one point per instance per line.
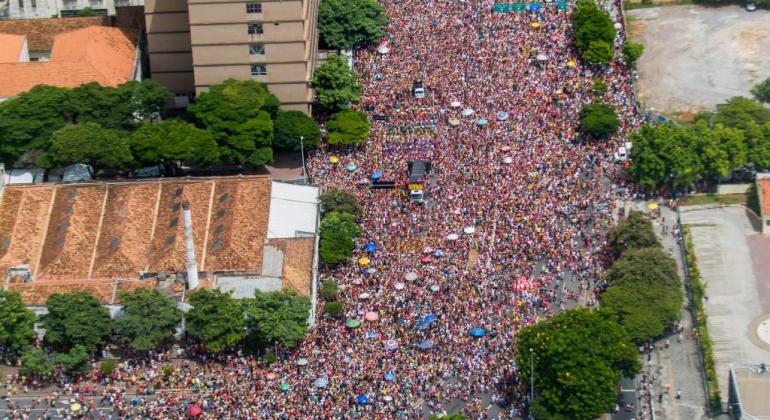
(696, 57)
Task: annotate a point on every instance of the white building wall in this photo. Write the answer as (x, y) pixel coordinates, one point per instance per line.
(36, 9)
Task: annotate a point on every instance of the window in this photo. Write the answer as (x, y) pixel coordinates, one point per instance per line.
(253, 7)
(21, 4)
(255, 29)
(33, 3)
(258, 70)
(256, 49)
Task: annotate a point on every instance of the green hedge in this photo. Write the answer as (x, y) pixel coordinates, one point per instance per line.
(698, 291)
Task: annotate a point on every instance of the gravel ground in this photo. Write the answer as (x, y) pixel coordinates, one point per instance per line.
(696, 57)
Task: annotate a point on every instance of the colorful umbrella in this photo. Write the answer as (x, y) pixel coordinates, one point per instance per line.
(391, 345)
(452, 237)
(194, 411)
(376, 175)
(426, 260)
(502, 116)
(571, 63)
(302, 362)
(334, 159)
(364, 296)
(467, 112)
(284, 387)
(351, 167)
(652, 206)
(535, 25)
(364, 261)
(507, 160)
(390, 376)
(469, 230)
(455, 104)
(425, 345)
(454, 122)
(481, 121)
(399, 285)
(353, 324)
(411, 276)
(371, 316)
(370, 247)
(362, 399)
(477, 332)
(321, 382)
(434, 288)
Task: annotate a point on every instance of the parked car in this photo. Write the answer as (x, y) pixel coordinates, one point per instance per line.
(750, 7)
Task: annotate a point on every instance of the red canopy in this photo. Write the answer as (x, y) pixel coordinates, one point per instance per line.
(194, 411)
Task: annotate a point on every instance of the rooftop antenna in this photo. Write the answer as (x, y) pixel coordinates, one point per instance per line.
(192, 267)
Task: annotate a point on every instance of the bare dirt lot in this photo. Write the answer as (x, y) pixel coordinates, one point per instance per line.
(696, 57)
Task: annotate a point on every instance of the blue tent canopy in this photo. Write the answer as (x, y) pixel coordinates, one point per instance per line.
(390, 376)
(321, 382)
(362, 399)
(425, 345)
(430, 318)
(502, 116)
(351, 167)
(481, 121)
(478, 332)
(376, 175)
(370, 247)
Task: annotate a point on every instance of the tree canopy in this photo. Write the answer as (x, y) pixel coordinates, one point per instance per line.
(594, 33)
(578, 359)
(277, 317)
(336, 200)
(761, 91)
(348, 128)
(336, 84)
(632, 51)
(289, 126)
(598, 119)
(74, 361)
(17, 326)
(76, 319)
(216, 319)
(633, 232)
(28, 121)
(344, 24)
(338, 230)
(147, 319)
(239, 114)
(36, 361)
(88, 143)
(644, 293)
(172, 141)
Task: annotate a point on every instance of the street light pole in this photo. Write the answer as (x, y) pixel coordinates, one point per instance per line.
(302, 155)
(531, 375)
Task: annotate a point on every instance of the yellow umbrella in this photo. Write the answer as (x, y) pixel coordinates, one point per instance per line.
(334, 159)
(75, 407)
(363, 261)
(535, 25)
(652, 206)
(571, 63)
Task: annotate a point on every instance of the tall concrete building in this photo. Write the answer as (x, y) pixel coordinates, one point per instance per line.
(197, 43)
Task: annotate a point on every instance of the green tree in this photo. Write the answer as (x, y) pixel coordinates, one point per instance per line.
(666, 154)
(720, 148)
(35, 361)
(88, 143)
(739, 111)
(757, 139)
(329, 289)
(338, 230)
(633, 232)
(340, 201)
(74, 361)
(173, 141)
(76, 319)
(598, 119)
(632, 51)
(289, 126)
(148, 98)
(238, 113)
(16, 328)
(348, 128)
(277, 317)
(148, 318)
(333, 308)
(594, 33)
(761, 91)
(216, 319)
(344, 24)
(107, 106)
(578, 358)
(28, 121)
(336, 84)
(453, 416)
(644, 293)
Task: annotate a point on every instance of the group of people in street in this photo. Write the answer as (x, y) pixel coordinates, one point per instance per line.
(517, 204)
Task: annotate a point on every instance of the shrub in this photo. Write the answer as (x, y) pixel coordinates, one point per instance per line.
(329, 289)
(333, 308)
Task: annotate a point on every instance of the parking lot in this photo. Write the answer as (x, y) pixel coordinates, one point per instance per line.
(696, 57)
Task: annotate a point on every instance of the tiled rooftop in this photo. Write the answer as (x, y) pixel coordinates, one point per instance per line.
(94, 54)
(764, 186)
(40, 33)
(10, 47)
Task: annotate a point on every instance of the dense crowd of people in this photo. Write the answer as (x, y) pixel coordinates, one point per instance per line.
(516, 207)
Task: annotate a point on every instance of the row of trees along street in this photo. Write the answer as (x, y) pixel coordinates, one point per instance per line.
(77, 326)
(579, 356)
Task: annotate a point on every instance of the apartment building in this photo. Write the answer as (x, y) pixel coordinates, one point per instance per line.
(36, 9)
(196, 43)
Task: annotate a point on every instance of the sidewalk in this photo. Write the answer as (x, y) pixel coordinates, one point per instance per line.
(678, 366)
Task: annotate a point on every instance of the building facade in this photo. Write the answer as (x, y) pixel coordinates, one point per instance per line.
(36, 9)
(197, 43)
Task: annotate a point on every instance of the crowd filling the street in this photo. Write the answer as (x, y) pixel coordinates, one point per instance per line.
(517, 204)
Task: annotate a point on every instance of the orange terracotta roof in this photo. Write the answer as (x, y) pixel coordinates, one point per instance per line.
(94, 54)
(10, 47)
(764, 194)
(41, 32)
